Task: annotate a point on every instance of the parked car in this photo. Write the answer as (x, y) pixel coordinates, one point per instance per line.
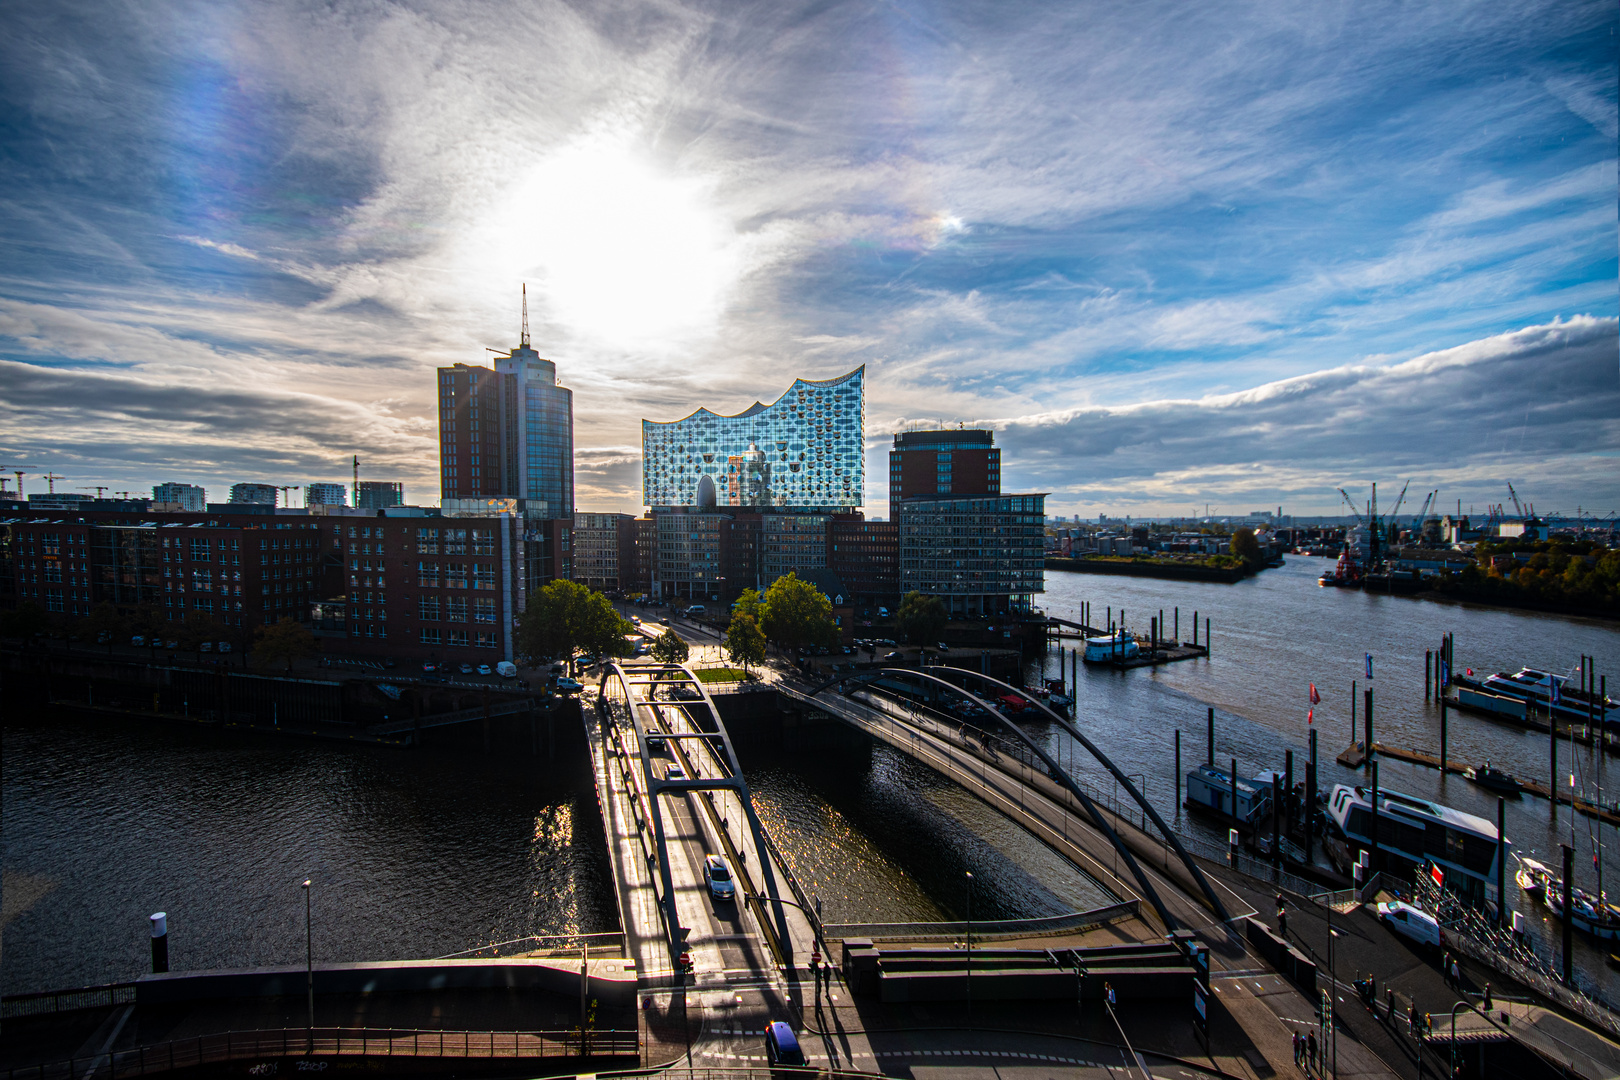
(137, 640)
(483, 669)
(717, 875)
(1412, 923)
(206, 646)
(943, 647)
(172, 644)
(506, 669)
(429, 666)
(891, 656)
(566, 685)
(224, 646)
(782, 1046)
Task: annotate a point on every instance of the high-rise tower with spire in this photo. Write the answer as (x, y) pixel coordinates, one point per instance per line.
(507, 432)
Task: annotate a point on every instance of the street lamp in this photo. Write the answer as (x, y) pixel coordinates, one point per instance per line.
(970, 946)
(309, 964)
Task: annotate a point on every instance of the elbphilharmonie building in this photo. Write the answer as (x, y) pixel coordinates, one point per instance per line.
(803, 453)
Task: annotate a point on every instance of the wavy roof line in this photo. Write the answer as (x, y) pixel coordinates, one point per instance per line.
(757, 407)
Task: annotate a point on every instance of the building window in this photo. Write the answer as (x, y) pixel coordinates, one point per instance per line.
(456, 608)
(455, 575)
(458, 637)
(485, 639)
(485, 611)
(427, 608)
(430, 635)
(427, 575)
(483, 576)
(483, 542)
(427, 541)
(455, 541)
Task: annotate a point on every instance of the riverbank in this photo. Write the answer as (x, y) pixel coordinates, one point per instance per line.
(1154, 568)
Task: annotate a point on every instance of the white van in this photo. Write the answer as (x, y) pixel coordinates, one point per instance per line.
(1412, 923)
(506, 669)
(695, 610)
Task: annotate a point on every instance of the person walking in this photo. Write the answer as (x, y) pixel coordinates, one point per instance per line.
(1296, 1047)
(1310, 1052)
(1445, 967)
(1282, 917)
(1411, 1018)
(1456, 975)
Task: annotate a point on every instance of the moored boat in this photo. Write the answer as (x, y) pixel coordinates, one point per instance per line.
(1543, 692)
(1493, 779)
(1532, 877)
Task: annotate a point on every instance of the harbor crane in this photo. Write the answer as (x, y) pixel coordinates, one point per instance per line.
(1395, 514)
(1516, 507)
(50, 480)
(1351, 504)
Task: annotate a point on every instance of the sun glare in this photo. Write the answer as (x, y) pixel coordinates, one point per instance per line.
(619, 249)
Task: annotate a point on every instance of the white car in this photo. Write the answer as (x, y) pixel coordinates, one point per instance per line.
(718, 877)
(674, 772)
(1412, 923)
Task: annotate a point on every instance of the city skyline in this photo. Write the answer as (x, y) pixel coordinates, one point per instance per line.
(1171, 256)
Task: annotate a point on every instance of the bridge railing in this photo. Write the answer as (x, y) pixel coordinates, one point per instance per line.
(1003, 928)
(266, 1045)
(607, 944)
(60, 1001)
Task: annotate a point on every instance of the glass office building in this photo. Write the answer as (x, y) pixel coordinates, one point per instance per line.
(803, 453)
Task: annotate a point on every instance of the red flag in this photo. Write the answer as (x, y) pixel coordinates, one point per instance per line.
(1310, 716)
(1316, 699)
(1438, 874)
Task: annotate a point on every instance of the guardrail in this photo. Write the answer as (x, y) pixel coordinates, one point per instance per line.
(60, 1001)
(1046, 924)
(336, 1042)
(604, 944)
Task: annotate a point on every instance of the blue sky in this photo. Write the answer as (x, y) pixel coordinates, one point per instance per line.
(1178, 254)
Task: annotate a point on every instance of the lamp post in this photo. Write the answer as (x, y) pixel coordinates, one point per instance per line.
(1333, 992)
(970, 946)
(309, 964)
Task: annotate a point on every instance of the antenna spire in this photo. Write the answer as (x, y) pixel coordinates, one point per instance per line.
(523, 340)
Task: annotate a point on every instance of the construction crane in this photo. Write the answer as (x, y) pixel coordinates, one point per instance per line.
(1516, 507)
(1393, 531)
(97, 488)
(1353, 511)
(51, 479)
(19, 474)
(123, 494)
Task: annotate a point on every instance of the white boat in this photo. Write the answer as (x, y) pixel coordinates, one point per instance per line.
(1532, 877)
(1539, 689)
(1110, 648)
(1593, 915)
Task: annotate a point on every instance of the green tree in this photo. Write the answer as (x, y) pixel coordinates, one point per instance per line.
(669, 648)
(797, 614)
(195, 629)
(287, 640)
(921, 619)
(1247, 548)
(104, 619)
(565, 617)
(748, 604)
(745, 641)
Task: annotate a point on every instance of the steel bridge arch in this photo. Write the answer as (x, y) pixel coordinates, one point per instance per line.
(656, 785)
(1057, 772)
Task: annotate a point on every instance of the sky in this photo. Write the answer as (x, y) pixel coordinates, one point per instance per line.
(1234, 255)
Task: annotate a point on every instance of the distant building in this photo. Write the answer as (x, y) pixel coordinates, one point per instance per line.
(326, 495)
(189, 497)
(59, 500)
(253, 493)
(378, 494)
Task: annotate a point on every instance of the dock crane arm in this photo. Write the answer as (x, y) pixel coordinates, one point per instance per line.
(1356, 513)
(1395, 514)
(1516, 507)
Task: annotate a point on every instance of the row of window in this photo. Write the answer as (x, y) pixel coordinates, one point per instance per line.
(483, 639)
